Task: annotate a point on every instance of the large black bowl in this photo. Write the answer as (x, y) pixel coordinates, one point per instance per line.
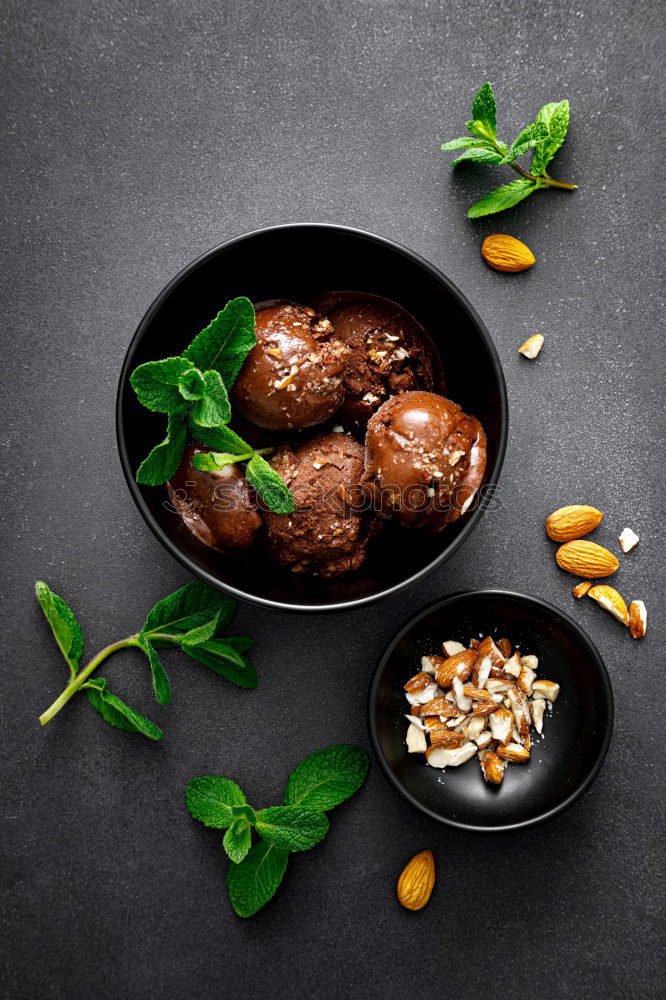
(300, 262)
(576, 734)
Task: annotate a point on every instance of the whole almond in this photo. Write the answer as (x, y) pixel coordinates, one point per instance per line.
(586, 559)
(506, 253)
(417, 881)
(569, 523)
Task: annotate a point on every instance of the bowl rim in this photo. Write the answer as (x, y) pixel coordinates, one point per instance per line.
(585, 640)
(171, 546)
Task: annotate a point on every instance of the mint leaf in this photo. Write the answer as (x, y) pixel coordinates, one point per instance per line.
(202, 632)
(114, 711)
(527, 139)
(188, 608)
(163, 461)
(222, 657)
(66, 630)
(212, 461)
(253, 882)
(244, 812)
(478, 156)
(464, 143)
(161, 685)
(483, 108)
(156, 384)
(220, 439)
(269, 485)
(503, 197)
(211, 799)
(214, 407)
(191, 385)
(227, 338)
(327, 777)
(292, 827)
(481, 130)
(238, 840)
(556, 119)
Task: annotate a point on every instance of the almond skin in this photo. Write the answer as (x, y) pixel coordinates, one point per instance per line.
(506, 253)
(586, 559)
(417, 881)
(569, 523)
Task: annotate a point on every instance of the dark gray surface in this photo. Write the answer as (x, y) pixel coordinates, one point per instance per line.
(140, 135)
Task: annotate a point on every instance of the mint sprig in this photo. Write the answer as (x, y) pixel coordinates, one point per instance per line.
(319, 783)
(193, 390)
(544, 137)
(190, 619)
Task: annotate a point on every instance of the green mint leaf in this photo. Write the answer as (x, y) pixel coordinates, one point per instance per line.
(163, 461)
(161, 685)
(556, 119)
(213, 461)
(253, 882)
(211, 799)
(481, 130)
(269, 485)
(478, 156)
(227, 338)
(483, 108)
(114, 711)
(327, 777)
(202, 632)
(238, 642)
(213, 409)
(503, 197)
(464, 143)
(238, 840)
(244, 812)
(220, 439)
(156, 384)
(191, 385)
(189, 608)
(527, 139)
(66, 630)
(292, 827)
(222, 657)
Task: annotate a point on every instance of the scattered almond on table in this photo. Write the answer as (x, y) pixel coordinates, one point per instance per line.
(478, 701)
(532, 346)
(506, 253)
(417, 881)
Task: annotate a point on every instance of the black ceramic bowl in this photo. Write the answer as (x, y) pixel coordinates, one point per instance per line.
(300, 262)
(576, 734)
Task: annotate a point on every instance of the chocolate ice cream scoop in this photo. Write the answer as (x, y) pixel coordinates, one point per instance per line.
(292, 377)
(425, 459)
(217, 507)
(389, 352)
(328, 532)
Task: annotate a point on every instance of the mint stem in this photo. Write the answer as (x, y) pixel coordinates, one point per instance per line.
(83, 675)
(541, 178)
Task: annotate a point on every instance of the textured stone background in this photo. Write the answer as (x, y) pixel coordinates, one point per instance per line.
(139, 135)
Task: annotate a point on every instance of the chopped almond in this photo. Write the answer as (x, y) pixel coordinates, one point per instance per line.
(458, 665)
(443, 737)
(637, 619)
(501, 724)
(513, 666)
(581, 589)
(525, 680)
(504, 647)
(513, 752)
(492, 767)
(484, 707)
(547, 689)
(451, 647)
(442, 757)
(463, 701)
(439, 707)
(628, 540)
(484, 738)
(537, 708)
(416, 739)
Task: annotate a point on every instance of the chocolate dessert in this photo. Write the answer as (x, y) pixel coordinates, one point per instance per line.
(217, 507)
(425, 459)
(389, 353)
(328, 532)
(293, 377)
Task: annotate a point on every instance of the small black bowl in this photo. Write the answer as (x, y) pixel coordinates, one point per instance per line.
(576, 734)
(299, 263)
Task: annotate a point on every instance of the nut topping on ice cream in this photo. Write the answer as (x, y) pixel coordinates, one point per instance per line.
(425, 459)
(293, 377)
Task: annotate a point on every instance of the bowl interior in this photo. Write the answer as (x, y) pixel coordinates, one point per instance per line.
(576, 734)
(300, 263)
